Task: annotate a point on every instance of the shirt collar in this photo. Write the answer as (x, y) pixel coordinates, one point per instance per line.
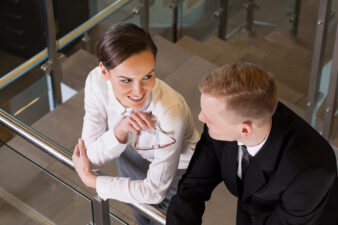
(253, 150)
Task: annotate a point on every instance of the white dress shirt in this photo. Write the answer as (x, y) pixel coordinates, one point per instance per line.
(167, 149)
(253, 150)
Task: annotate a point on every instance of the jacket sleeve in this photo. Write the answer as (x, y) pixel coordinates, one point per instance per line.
(100, 140)
(196, 186)
(304, 199)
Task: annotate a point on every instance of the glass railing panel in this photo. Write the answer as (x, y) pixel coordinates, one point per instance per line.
(21, 33)
(197, 20)
(23, 89)
(27, 98)
(274, 13)
(325, 79)
(81, 52)
(52, 177)
(200, 19)
(34, 196)
(236, 17)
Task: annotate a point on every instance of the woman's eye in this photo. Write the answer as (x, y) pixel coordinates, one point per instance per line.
(147, 77)
(125, 81)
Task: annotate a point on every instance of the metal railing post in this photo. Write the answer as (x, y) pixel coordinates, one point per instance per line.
(143, 11)
(331, 99)
(100, 211)
(317, 59)
(53, 64)
(250, 6)
(175, 31)
(144, 15)
(294, 19)
(222, 14)
(86, 42)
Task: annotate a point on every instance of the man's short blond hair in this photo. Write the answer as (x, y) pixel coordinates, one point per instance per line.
(250, 92)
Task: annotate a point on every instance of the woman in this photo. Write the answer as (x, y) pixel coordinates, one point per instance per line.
(135, 118)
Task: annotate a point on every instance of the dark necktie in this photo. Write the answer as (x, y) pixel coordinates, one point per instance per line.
(245, 159)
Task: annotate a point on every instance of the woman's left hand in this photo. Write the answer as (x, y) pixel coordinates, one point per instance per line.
(82, 165)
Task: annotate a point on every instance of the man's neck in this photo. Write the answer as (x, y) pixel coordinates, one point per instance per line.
(258, 136)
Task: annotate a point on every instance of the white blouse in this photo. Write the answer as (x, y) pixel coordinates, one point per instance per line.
(168, 148)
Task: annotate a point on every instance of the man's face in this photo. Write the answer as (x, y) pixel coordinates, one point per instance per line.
(218, 119)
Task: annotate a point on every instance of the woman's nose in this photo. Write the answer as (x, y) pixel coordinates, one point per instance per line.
(138, 89)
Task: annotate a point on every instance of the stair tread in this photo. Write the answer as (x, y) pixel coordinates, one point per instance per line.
(291, 75)
(228, 52)
(75, 69)
(185, 80)
(198, 48)
(281, 37)
(249, 48)
(169, 57)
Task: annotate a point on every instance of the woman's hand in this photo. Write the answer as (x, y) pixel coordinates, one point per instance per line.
(133, 123)
(82, 165)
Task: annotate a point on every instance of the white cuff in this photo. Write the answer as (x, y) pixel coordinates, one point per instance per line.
(102, 186)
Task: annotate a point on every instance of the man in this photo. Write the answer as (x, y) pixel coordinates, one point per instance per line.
(277, 165)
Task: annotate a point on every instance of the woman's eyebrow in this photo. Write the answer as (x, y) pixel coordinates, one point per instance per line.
(124, 77)
(150, 72)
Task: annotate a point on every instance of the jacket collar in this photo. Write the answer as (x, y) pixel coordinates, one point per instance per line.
(267, 158)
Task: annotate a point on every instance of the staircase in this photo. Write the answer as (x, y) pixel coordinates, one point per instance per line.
(182, 66)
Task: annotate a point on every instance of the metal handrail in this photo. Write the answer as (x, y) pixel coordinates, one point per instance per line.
(61, 43)
(64, 156)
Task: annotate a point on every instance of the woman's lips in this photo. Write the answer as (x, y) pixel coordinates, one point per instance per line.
(136, 99)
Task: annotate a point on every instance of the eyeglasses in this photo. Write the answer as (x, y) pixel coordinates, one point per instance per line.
(150, 140)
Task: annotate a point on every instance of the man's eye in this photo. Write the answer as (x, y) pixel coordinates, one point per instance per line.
(147, 77)
(125, 81)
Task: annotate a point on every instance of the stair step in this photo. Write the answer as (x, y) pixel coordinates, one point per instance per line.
(241, 44)
(185, 80)
(198, 48)
(170, 56)
(291, 75)
(281, 37)
(228, 52)
(288, 93)
(299, 111)
(274, 48)
(75, 69)
(334, 143)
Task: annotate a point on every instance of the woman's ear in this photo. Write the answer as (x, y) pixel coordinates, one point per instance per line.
(104, 71)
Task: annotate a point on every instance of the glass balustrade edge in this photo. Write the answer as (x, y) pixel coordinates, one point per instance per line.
(47, 172)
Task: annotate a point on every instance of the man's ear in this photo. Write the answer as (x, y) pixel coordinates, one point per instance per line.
(104, 71)
(246, 129)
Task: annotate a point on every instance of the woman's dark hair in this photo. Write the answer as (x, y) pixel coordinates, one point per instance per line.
(121, 41)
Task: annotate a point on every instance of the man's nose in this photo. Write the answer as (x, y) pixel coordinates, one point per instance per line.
(201, 117)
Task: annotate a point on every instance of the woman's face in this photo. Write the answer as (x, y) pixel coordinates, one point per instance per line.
(133, 79)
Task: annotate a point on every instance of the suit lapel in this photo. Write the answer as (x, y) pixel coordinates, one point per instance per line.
(229, 172)
(254, 179)
(267, 158)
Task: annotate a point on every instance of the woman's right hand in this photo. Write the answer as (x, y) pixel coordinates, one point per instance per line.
(133, 123)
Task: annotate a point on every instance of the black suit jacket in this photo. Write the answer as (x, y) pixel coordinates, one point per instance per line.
(287, 182)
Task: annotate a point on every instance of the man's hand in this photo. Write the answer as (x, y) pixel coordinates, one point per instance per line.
(82, 165)
(133, 123)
